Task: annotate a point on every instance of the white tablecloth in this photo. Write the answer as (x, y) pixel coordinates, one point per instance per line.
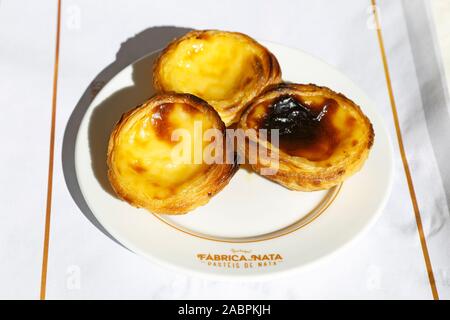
(97, 38)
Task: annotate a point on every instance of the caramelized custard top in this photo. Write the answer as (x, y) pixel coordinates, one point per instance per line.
(311, 129)
(144, 152)
(166, 118)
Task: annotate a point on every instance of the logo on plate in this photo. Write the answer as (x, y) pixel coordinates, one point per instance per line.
(238, 258)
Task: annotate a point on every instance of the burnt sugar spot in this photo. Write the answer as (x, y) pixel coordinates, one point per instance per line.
(305, 130)
(138, 168)
(350, 122)
(161, 122)
(203, 36)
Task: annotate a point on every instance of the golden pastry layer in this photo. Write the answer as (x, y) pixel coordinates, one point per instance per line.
(227, 69)
(155, 155)
(323, 136)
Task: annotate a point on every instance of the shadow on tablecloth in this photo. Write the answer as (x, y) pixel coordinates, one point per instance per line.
(107, 113)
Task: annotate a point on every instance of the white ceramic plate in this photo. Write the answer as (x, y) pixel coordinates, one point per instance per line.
(253, 227)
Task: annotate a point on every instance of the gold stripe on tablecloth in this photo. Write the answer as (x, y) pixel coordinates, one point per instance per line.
(48, 209)
(412, 193)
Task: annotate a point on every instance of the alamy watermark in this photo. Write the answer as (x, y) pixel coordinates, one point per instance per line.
(212, 146)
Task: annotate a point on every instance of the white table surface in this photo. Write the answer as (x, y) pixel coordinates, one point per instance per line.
(83, 263)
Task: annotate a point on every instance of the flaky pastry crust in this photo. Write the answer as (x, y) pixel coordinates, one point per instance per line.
(227, 69)
(145, 191)
(352, 135)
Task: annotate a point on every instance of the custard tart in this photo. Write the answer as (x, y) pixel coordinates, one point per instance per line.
(153, 154)
(226, 69)
(316, 138)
